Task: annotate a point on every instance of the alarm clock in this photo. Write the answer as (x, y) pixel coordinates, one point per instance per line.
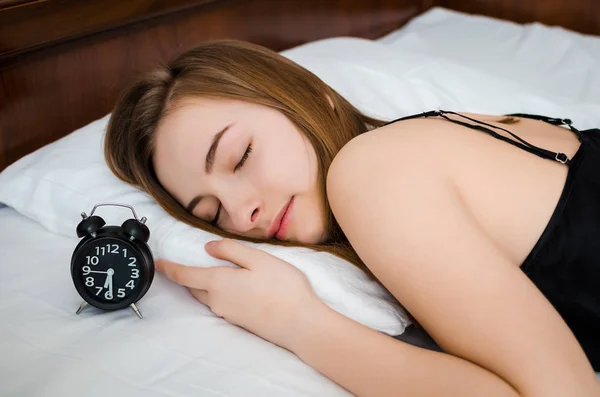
(112, 266)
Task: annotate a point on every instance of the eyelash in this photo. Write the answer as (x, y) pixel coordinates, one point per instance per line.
(216, 219)
(244, 158)
(237, 167)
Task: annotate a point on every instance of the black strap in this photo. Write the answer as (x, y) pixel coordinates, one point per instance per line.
(551, 120)
(431, 113)
(521, 143)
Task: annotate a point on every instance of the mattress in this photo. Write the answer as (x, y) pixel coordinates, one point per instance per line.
(440, 59)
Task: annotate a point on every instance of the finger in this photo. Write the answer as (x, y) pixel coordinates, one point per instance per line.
(188, 276)
(201, 295)
(235, 252)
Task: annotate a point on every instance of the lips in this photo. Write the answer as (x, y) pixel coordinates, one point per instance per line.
(279, 227)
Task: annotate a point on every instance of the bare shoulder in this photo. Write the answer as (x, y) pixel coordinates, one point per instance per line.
(393, 193)
(403, 146)
(389, 159)
(410, 136)
(388, 187)
(391, 169)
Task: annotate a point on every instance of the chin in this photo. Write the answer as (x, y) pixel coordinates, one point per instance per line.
(315, 236)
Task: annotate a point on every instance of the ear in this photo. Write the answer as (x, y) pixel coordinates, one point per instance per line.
(330, 101)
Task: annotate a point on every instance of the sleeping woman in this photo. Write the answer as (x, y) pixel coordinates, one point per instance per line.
(485, 228)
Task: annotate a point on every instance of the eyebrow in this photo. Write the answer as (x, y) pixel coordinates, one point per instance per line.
(209, 162)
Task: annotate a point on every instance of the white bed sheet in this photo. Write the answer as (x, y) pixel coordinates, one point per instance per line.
(464, 63)
(561, 64)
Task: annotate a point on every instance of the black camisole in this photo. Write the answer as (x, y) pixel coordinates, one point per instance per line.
(565, 262)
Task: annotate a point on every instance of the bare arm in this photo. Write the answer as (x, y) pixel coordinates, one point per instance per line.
(421, 241)
(371, 364)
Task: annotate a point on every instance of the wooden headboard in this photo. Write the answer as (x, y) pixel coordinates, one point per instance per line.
(63, 62)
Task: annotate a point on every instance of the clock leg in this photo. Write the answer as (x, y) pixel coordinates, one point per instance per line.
(135, 309)
(81, 307)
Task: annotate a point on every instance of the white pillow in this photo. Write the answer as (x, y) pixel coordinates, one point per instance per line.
(554, 60)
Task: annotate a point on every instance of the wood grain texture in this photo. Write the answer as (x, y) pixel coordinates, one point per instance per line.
(13, 3)
(29, 25)
(51, 90)
(579, 15)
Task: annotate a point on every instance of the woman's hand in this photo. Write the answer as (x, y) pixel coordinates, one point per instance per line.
(267, 296)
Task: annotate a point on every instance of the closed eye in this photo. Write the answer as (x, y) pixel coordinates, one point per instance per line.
(239, 165)
(244, 158)
(216, 218)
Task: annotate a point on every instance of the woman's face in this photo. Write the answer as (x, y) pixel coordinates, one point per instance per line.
(242, 166)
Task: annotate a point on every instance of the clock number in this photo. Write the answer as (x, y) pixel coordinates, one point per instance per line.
(108, 295)
(133, 261)
(124, 252)
(101, 251)
(121, 293)
(99, 290)
(135, 273)
(92, 259)
(89, 281)
(86, 270)
(130, 284)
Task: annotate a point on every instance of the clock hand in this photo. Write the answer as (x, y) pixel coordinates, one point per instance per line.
(110, 273)
(110, 284)
(96, 271)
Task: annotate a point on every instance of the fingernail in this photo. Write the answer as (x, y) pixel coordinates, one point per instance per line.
(210, 244)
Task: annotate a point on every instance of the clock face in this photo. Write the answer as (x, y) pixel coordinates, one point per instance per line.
(109, 271)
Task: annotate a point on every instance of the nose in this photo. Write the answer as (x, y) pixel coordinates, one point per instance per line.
(244, 212)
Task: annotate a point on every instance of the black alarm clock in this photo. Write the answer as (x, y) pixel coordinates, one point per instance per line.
(112, 266)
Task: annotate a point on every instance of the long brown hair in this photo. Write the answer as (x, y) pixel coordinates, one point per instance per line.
(242, 71)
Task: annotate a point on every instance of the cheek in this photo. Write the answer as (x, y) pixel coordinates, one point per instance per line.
(287, 168)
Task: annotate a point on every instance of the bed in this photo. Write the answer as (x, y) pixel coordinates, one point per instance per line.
(62, 64)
